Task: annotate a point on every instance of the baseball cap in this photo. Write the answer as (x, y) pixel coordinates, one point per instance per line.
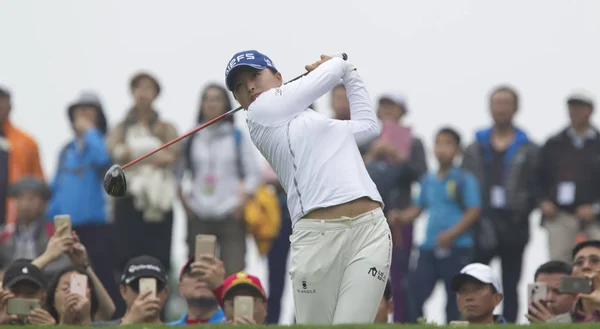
(581, 96)
(23, 270)
(480, 272)
(242, 279)
(397, 98)
(186, 267)
(144, 267)
(250, 58)
(32, 184)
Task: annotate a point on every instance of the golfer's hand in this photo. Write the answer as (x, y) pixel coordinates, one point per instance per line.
(144, 307)
(539, 313)
(40, 316)
(311, 67)
(210, 269)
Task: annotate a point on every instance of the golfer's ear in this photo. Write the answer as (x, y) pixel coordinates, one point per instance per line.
(279, 77)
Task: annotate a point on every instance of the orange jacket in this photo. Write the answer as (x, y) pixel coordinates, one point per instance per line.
(24, 160)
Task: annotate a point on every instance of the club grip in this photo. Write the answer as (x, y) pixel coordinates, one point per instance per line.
(341, 55)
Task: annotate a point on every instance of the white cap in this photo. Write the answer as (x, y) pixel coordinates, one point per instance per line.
(479, 272)
(397, 97)
(581, 95)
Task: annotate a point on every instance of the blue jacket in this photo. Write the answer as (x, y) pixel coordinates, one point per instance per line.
(77, 186)
(218, 317)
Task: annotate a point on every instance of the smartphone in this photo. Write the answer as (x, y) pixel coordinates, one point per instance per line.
(205, 244)
(243, 306)
(575, 285)
(537, 292)
(20, 306)
(60, 220)
(148, 284)
(78, 284)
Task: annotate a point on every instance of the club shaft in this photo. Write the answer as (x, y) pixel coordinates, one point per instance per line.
(197, 129)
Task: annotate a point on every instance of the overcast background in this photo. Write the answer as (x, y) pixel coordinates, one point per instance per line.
(444, 55)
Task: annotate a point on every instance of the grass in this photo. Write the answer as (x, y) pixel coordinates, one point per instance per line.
(374, 326)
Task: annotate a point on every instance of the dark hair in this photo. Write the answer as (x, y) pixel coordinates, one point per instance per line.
(4, 93)
(138, 77)
(54, 285)
(451, 132)
(585, 244)
(224, 93)
(553, 267)
(387, 293)
(508, 89)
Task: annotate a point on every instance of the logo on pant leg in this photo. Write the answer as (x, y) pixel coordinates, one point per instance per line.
(377, 274)
(305, 289)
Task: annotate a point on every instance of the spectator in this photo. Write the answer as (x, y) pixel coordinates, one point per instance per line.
(30, 237)
(75, 253)
(451, 196)
(142, 308)
(22, 279)
(586, 263)
(226, 289)
(222, 162)
(203, 307)
(395, 161)
(504, 161)
(478, 293)
(569, 175)
(339, 103)
(77, 186)
(386, 306)
(558, 304)
(23, 159)
(67, 307)
(143, 219)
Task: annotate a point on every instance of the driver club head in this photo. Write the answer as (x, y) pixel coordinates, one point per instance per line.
(115, 183)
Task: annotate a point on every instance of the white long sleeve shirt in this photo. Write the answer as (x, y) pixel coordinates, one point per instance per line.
(316, 158)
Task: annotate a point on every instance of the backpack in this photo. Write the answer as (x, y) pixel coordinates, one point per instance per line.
(237, 135)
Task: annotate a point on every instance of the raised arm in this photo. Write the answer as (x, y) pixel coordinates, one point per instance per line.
(363, 120)
(280, 105)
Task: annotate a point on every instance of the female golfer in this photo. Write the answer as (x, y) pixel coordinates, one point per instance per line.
(341, 244)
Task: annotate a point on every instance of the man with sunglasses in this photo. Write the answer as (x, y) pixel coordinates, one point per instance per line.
(142, 308)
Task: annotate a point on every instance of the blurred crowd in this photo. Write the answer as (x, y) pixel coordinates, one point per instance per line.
(477, 202)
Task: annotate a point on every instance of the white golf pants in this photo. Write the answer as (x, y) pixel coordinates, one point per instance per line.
(339, 268)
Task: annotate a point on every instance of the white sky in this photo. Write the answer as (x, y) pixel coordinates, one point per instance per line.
(445, 55)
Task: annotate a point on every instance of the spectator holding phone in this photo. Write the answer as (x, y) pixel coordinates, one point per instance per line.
(24, 281)
(586, 263)
(557, 305)
(70, 303)
(143, 306)
(227, 289)
(203, 307)
(68, 246)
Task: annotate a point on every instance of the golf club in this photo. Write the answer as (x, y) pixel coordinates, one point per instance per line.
(115, 183)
